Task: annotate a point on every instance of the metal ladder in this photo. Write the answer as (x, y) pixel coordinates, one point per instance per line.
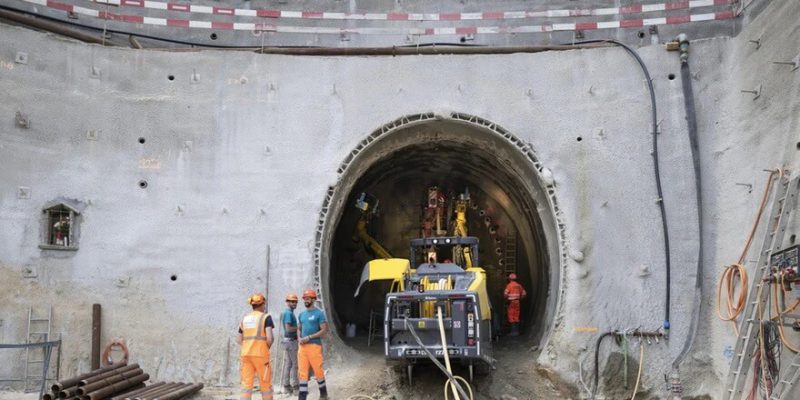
(784, 385)
(510, 253)
(784, 202)
(34, 358)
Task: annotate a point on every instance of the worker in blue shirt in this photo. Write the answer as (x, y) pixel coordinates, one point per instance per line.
(289, 341)
(312, 325)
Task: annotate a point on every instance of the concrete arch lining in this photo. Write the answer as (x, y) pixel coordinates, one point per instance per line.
(513, 156)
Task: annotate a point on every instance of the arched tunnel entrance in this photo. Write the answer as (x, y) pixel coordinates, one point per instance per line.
(509, 212)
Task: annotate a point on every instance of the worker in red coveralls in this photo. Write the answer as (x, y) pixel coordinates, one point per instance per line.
(513, 294)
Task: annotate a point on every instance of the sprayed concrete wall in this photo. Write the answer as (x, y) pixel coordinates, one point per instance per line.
(240, 150)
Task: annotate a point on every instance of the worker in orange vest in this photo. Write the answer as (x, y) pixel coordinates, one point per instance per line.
(312, 326)
(255, 337)
(513, 294)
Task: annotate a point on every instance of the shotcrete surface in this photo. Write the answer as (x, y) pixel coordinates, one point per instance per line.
(241, 149)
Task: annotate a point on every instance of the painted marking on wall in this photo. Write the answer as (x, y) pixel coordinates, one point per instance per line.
(182, 23)
(149, 163)
(6, 65)
(727, 352)
(444, 16)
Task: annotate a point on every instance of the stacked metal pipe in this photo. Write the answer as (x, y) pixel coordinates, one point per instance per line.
(119, 382)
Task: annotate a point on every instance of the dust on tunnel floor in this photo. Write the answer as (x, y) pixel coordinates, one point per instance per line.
(517, 375)
(367, 373)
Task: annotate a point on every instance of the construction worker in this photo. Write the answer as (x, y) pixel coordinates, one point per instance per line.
(513, 294)
(289, 325)
(312, 325)
(255, 337)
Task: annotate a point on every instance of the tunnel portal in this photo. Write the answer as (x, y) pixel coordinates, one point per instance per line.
(397, 172)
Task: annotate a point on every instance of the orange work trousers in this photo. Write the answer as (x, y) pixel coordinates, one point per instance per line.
(252, 367)
(309, 356)
(513, 312)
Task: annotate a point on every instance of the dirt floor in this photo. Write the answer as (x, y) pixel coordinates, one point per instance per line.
(516, 377)
(364, 372)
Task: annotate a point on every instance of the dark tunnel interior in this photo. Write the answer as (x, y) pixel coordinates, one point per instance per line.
(501, 214)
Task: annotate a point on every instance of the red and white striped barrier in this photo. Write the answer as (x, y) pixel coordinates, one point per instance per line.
(396, 16)
(247, 26)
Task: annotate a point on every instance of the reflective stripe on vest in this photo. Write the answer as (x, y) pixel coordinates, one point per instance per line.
(514, 291)
(254, 337)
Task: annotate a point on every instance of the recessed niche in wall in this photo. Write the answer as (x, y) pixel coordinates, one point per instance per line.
(61, 220)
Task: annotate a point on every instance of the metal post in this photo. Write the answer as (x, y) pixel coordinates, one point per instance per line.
(96, 336)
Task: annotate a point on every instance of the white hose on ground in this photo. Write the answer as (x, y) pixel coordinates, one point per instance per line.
(446, 355)
(580, 376)
(436, 362)
(639, 374)
(451, 384)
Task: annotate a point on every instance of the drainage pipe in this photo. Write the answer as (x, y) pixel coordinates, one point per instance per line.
(92, 387)
(117, 387)
(67, 392)
(61, 385)
(100, 377)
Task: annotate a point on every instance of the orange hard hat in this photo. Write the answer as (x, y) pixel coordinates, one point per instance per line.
(291, 297)
(256, 299)
(512, 276)
(309, 294)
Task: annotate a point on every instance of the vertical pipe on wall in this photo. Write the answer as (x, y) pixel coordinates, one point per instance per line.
(691, 122)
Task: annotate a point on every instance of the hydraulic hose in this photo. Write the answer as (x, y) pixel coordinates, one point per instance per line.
(445, 353)
(434, 48)
(639, 374)
(656, 170)
(436, 362)
(691, 120)
(738, 271)
(597, 361)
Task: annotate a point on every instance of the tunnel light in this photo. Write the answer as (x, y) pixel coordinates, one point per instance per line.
(435, 241)
(446, 241)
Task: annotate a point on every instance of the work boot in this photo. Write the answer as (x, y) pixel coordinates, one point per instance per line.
(288, 389)
(514, 330)
(323, 393)
(302, 395)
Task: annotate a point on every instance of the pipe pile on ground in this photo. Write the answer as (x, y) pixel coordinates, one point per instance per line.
(119, 382)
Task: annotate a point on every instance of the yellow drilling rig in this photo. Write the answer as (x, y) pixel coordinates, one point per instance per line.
(434, 308)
